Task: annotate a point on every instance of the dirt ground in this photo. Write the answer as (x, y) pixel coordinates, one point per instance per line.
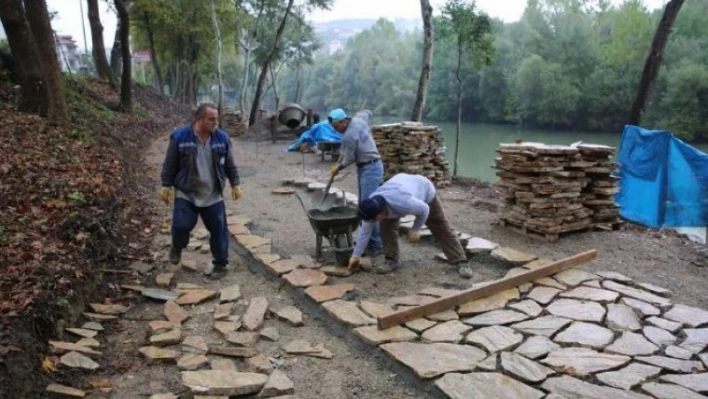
(658, 257)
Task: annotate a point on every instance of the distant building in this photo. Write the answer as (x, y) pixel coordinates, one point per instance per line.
(67, 53)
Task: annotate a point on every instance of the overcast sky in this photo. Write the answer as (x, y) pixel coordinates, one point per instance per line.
(68, 21)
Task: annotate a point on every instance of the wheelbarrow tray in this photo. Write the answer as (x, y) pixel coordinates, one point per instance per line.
(337, 220)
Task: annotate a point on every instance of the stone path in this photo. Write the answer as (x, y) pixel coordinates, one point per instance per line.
(572, 335)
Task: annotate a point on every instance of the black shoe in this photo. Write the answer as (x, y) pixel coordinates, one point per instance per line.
(215, 271)
(175, 255)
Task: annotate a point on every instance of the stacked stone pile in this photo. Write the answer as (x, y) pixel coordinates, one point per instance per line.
(234, 123)
(552, 189)
(412, 147)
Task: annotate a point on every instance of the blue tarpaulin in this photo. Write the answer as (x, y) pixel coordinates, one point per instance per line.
(319, 132)
(664, 181)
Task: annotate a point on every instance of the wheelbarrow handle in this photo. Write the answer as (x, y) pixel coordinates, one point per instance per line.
(304, 208)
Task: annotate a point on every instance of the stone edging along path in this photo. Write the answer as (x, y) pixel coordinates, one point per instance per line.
(574, 334)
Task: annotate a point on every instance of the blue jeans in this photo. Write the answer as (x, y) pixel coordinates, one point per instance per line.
(184, 218)
(369, 178)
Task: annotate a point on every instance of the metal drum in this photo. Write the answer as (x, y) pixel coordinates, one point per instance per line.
(291, 115)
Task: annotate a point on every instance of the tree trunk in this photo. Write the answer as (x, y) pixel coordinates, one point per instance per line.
(264, 71)
(298, 82)
(126, 96)
(653, 61)
(427, 12)
(244, 81)
(218, 58)
(99, 49)
(274, 84)
(153, 55)
(116, 60)
(35, 94)
(459, 108)
(38, 19)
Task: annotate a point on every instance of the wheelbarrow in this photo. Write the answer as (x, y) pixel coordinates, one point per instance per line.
(336, 223)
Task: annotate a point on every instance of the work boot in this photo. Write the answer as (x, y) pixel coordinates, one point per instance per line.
(463, 267)
(387, 267)
(175, 255)
(215, 271)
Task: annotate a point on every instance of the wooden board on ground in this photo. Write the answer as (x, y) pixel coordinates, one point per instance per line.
(448, 302)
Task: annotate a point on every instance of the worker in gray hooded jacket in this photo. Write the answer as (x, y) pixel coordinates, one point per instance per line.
(402, 195)
(358, 147)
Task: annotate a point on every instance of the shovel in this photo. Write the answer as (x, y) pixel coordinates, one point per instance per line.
(326, 194)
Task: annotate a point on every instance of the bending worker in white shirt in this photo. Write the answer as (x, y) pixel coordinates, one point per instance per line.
(402, 195)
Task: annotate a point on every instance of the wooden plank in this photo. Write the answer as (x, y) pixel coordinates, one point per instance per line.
(445, 303)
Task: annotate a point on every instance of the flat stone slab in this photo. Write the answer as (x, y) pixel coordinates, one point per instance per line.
(630, 376)
(637, 294)
(305, 277)
(432, 360)
(243, 338)
(485, 386)
(495, 338)
(410, 300)
(170, 337)
(577, 310)
(63, 390)
(678, 352)
(420, 325)
(63, 347)
(585, 334)
(590, 294)
(190, 264)
(230, 294)
(619, 277)
(99, 317)
(88, 342)
(450, 332)
(696, 339)
(523, 368)
(154, 353)
(266, 258)
(348, 312)
(569, 387)
(531, 308)
(622, 317)
(142, 268)
(192, 361)
(108, 309)
(695, 382)
(195, 344)
(477, 245)
(374, 309)
(278, 384)
(489, 364)
(573, 277)
(253, 318)
(544, 325)
(300, 347)
(670, 391)
(252, 241)
(233, 351)
(159, 294)
(323, 293)
(224, 310)
(446, 315)
(259, 364)
(290, 314)
(374, 336)
(164, 279)
(79, 361)
(282, 266)
(667, 325)
(283, 191)
(659, 336)
(496, 317)
(223, 382)
(632, 344)
(537, 264)
(512, 256)
(195, 297)
(81, 332)
(226, 327)
(690, 316)
(270, 333)
(642, 308)
(549, 282)
(337, 271)
(486, 304)
(543, 295)
(671, 364)
(655, 289)
(536, 347)
(582, 361)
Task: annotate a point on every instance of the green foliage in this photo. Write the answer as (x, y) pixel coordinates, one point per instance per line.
(570, 64)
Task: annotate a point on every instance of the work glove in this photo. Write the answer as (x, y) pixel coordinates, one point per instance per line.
(334, 170)
(235, 193)
(413, 236)
(354, 263)
(167, 195)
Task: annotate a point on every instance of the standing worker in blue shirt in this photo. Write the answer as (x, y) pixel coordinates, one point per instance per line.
(198, 163)
(401, 195)
(358, 147)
